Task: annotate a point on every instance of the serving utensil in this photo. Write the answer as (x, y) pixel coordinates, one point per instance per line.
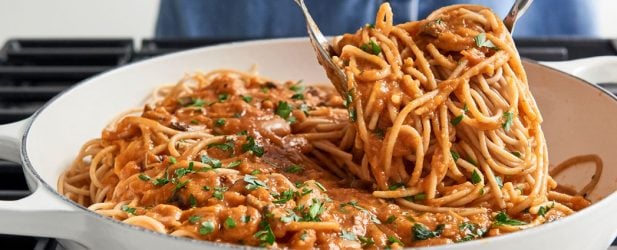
(518, 9)
(324, 50)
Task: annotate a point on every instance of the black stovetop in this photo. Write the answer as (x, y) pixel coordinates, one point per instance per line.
(34, 70)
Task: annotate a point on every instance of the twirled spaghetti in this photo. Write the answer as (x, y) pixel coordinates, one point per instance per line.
(438, 141)
(443, 108)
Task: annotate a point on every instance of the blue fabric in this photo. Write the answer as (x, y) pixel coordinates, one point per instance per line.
(281, 18)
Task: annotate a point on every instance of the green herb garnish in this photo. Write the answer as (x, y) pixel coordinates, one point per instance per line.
(475, 177)
(127, 209)
(371, 47)
(348, 235)
(223, 97)
(246, 98)
(507, 116)
(206, 227)
(294, 169)
(481, 41)
(214, 163)
(230, 223)
(194, 219)
(250, 145)
(219, 122)
(420, 232)
(502, 219)
(218, 192)
(253, 182)
(144, 177)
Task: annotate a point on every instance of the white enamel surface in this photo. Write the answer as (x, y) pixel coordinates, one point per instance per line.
(578, 119)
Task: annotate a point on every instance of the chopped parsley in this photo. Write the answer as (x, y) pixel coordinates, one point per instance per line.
(218, 192)
(245, 219)
(255, 172)
(250, 145)
(243, 132)
(459, 118)
(420, 232)
(283, 109)
(246, 98)
(194, 219)
(515, 153)
(127, 209)
(223, 97)
(184, 171)
(455, 155)
(481, 41)
(144, 177)
(366, 241)
(180, 185)
(371, 47)
(172, 160)
(396, 186)
(219, 122)
(315, 210)
(297, 96)
(265, 235)
(291, 216)
(543, 209)
(417, 197)
(226, 146)
(507, 116)
(230, 223)
(253, 182)
(390, 219)
(475, 177)
(160, 181)
(234, 164)
(192, 201)
(320, 186)
(214, 163)
(206, 188)
(284, 197)
(471, 231)
(294, 169)
(198, 102)
(370, 25)
(353, 115)
(298, 88)
(348, 235)
(392, 240)
(348, 98)
(206, 227)
(502, 219)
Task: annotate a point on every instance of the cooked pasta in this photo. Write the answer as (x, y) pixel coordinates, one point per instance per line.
(438, 141)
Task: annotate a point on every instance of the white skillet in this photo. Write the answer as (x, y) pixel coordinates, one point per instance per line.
(579, 118)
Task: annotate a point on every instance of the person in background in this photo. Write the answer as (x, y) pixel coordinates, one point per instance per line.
(246, 19)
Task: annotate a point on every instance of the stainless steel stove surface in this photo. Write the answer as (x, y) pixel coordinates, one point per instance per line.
(34, 70)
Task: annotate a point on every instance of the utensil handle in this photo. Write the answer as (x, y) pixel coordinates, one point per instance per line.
(42, 213)
(600, 69)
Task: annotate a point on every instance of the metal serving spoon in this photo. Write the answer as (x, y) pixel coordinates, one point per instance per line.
(324, 50)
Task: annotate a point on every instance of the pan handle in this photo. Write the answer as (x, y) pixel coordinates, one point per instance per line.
(600, 69)
(42, 213)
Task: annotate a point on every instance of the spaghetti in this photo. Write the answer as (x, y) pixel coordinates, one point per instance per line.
(444, 145)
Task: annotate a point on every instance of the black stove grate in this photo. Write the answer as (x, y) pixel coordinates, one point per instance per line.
(34, 70)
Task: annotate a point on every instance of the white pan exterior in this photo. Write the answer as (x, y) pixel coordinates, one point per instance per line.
(579, 118)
